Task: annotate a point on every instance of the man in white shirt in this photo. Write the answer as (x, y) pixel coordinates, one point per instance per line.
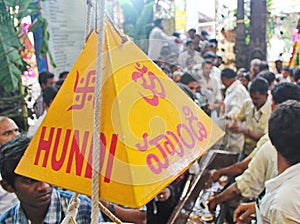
(235, 96)
(285, 76)
(216, 72)
(264, 160)
(157, 39)
(280, 201)
(210, 83)
(281, 204)
(189, 53)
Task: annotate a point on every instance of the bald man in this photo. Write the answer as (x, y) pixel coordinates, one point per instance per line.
(8, 130)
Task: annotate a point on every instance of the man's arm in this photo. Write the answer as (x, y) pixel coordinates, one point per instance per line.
(233, 170)
(127, 214)
(229, 194)
(253, 135)
(238, 127)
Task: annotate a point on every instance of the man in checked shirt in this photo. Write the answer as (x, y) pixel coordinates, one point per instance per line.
(39, 201)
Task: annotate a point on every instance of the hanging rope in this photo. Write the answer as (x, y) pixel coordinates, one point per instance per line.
(111, 216)
(88, 17)
(72, 210)
(97, 113)
(123, 37)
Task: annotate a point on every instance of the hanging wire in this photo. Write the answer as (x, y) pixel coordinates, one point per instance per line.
(88, 17)
(123, 37)
(97, 112)
(97, 19)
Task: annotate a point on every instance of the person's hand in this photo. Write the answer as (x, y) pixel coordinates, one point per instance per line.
(214, 175)
(212, 204)
(222, 107)
(211, 106)
(164, 194)
(243, 212)
(236, 127)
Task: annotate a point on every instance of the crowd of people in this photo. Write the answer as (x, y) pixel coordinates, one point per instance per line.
(241, 103)
(258, 110)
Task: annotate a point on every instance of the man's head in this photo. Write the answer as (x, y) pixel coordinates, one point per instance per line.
(8, 129)
(228, 76)
(191, 33)
(263, 66)
(278, 65)
(30, 192)
(204, 34)
(158, 23)
(283, 92)
(284, 130)
(285, 71)
(269, 76)
(46, 79)
(207, 67)
(210, 55)
(190, 81)
(245, 79)
(190, 62)
(259, 92)
(254, 67)
(48, 96)
(218, 61)
(190, 45)
(241, 71)
(197, 39)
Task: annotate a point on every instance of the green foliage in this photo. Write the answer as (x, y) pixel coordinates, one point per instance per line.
(136, 23)
(24, 8)
(129, 11)
(269, 4)
(12, 65)
(44, 48)
(297, 59)
(11, 62)
(247, 33)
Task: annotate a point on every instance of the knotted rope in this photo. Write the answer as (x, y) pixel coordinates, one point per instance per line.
(72, 210)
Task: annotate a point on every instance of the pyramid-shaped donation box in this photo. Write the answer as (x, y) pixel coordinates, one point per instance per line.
(150, 130)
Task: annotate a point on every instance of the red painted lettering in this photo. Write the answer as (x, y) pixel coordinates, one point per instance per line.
(180, 129)
(57, 163)
(111, 156)
(75, 153)
(171, 143)
(44, 145)
(110, 159)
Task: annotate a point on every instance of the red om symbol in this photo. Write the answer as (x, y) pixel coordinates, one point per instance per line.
(152, 83)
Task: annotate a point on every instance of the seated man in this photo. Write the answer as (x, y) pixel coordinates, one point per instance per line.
(263, 164)
(39, 201)
(280, 202)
